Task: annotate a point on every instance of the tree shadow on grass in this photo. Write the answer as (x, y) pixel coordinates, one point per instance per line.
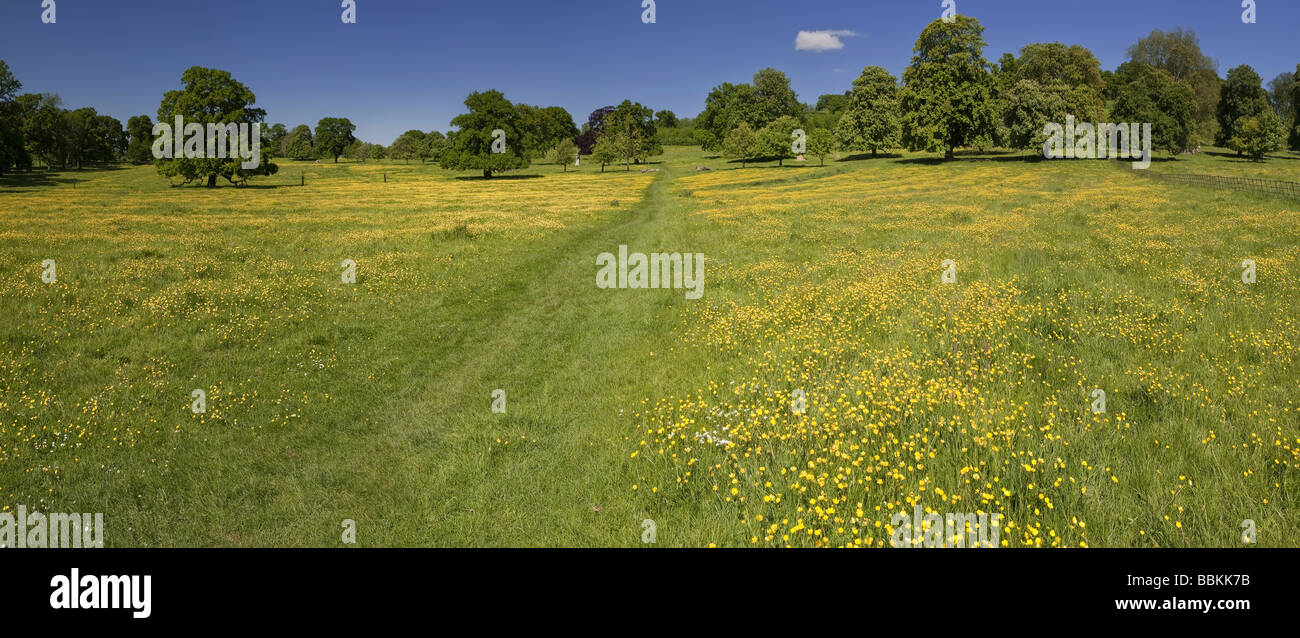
(26, 181)
(861, 157)
(497, 178)
(47, 178)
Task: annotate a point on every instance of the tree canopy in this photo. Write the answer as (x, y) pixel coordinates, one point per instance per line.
(871, 119)
(947, 88)
(333, 134)
(211, 96)
(1242, 96)
(471, 145)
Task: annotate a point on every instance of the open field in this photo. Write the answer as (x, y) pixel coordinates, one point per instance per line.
(371, 401)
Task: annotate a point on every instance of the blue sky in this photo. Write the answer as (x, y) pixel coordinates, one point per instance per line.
(410, 63)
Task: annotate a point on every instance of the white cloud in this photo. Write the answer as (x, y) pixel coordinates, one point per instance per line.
(821, 40)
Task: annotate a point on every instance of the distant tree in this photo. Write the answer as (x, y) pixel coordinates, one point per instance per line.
(592, 129)
(871, 120)
(333, 134)
(1178, 53)
(769, 97)
(358, 151)
(946, 95)
(108, 139)
(1123, 75)
(298, 144)
(1026, 108)
(813, 118)
(726, 106)
(1055, 63)
(1072, 73)
(564, 152)
(1258, 135)
(274, 137)
(13, 151)
(666, 119)
(637, 123)
(44, 128)
(9, 84)
(1242, 96)
(683, 134)
(1169, 105)
(471, 148)
(434, 144)
(776, 141)
(211, 96)
(741, 144)
(821, 142)
(773, 97)
(139, 133)
(544, 127)
(407, 145)
(1279, 95)
(834, 102)
(1293, 140)
(607, 150)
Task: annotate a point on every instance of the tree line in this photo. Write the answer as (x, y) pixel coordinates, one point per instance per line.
(950, 96)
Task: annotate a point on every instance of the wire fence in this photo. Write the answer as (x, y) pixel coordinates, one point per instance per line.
(1252, 184)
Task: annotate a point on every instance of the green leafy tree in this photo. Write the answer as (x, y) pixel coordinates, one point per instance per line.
(564, 152)
(776, 140)
(275, 136)
(1179, 54)
(1279, 96)
(13, 148)
(741, 144)
(471, 147)
(333, 134)
(544, 127)
(871, 120)
(666, 119)
(212, 96)
(44, 128)
(947, 89)
(1026, 108)
(821, 142)
(836, 103)
(407, 145)
(773, 97)
(1293, 140)
(1168, 105)
(726, 106)
(434, 144)
(358, 151)
(758, 104)
(606, 151)
(1258, 135)
(298, 144)
(638, 124)
(1054, 63)
(625, 130)
(1243, 96)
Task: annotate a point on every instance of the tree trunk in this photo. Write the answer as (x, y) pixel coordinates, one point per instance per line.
(487, 173)
(780, 161)
(336, 159)
(948, 154)
(873, 152)
(212, 181)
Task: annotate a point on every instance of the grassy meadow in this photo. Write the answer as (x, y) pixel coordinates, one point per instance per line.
(372, 401)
